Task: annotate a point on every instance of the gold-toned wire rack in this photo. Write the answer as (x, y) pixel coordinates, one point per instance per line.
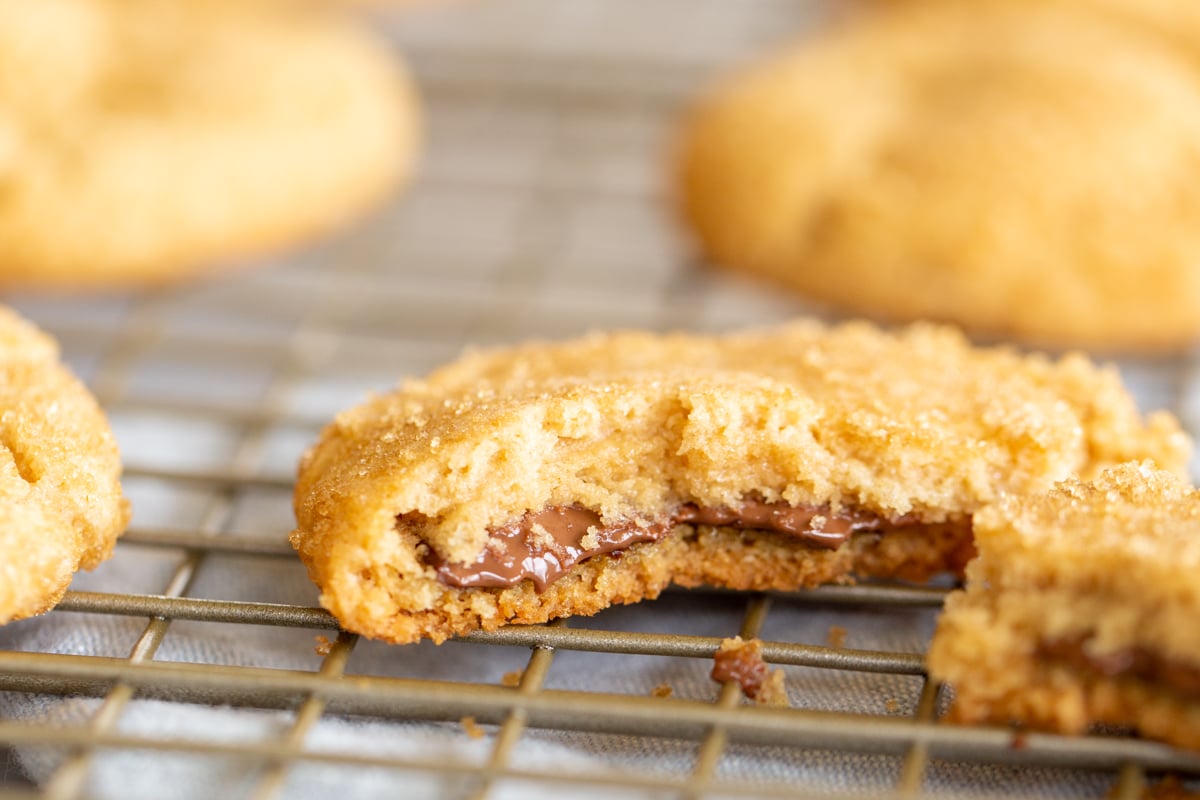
(540, 211)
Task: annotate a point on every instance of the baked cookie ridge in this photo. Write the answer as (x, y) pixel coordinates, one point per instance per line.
(536, 481)
(1081, 609)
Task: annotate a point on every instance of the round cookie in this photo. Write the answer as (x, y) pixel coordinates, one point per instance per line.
(150, 138)
(974, 162)
(543, 480)
(61, 507)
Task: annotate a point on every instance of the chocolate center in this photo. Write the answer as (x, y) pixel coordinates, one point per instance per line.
(1134, 662)
(544, 546)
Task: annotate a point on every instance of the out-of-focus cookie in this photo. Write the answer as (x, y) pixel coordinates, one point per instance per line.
(144, 139)
(1082, 608)
(61, 507)
(973, 162)
(551, 479)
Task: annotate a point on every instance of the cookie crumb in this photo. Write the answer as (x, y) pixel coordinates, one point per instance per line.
(324, 646)
(513, 679)
(742, 661)
(836, 637)
(773, 692)
(892, 705)
(662, 690)
(540, 538)
(472, 728)
(591, 539)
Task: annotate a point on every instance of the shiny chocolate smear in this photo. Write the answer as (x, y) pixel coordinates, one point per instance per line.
(544, 546)
(816, 526)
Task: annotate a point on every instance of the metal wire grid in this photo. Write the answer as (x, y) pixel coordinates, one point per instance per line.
(483, 249)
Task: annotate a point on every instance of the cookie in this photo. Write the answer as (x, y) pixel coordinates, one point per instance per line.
(528, 483)
(143, 140)
(61, 507)
(1082, 608)
(971, 162)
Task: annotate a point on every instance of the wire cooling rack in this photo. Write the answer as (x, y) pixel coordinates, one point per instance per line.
(539, 212)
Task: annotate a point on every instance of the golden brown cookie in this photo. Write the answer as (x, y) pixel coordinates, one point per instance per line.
(1082, 608)
(144, 139)
(972, 162)
(60, 499)
(528, 483)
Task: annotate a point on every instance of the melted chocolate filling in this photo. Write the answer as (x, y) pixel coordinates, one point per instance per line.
(544, 546)
(1135, 662)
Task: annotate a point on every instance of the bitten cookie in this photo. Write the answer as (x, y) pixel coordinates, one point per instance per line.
(1082, 608)
(972, 162)
(529, 483)
(145, 139)
(60, 499)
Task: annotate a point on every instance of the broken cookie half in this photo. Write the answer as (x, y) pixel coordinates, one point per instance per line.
(544, 480)
(1081, 609)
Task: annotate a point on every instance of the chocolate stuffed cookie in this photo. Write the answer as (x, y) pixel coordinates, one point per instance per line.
(1082, 607)
(61, 506)
(523, 484)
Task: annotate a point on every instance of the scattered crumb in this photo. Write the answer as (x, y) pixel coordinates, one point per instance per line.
(892, 705)
(773, 692)
(472, 728)
(513, 679)
(662, 690)
(742, 661)
(836, 636)
(1019, 741)
(324, 646)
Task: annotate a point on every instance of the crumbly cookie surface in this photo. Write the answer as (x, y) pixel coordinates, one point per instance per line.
(144, 139)
(915, 426)
(965, 162)
(61, 507)
(1082, 608)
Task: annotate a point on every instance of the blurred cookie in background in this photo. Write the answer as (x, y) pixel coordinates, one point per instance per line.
(144, 140)
(1023, 169)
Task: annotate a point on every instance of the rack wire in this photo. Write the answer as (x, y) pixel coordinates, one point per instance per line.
(540, 211)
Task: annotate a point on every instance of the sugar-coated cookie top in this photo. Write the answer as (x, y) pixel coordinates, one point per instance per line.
(60, 501)
(630, 424)
(1135, 525)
